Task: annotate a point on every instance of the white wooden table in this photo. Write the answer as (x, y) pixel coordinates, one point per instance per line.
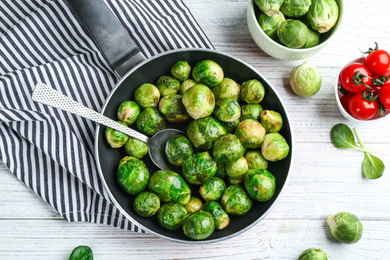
(323, 180)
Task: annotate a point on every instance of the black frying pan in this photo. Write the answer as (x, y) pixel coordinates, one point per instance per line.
(95, 14)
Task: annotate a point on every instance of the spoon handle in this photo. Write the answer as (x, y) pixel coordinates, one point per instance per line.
(49, 96)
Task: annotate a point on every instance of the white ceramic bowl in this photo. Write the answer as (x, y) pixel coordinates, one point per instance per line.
(278, 50)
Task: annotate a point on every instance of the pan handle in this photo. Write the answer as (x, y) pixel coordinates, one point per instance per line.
(115, 43)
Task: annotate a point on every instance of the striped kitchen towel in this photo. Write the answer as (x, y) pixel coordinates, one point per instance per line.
(50, 150)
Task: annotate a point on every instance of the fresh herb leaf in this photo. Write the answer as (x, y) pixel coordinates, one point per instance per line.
(342, 137)
(81, 253)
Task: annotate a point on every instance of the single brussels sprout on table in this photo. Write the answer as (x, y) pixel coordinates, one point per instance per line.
(178, 148)
(136, 148)
(187, 84)
(269, 7)
(305, 79)
(255, 160)
(260, 184)
(172, 109)
(272, 121)
(227, 148)
(251, 111)
(199, 168)
(212, 189)
(221, 218)
(168, 85)
(313, 254)
(293, 33)
(198, 225)
(345, 227)
(181, 70)
(227, 110)
(237, 169)
(204, 132)
(228, 88)
(231, 127)
(312, 40)
(323, 15)
(171, 215)
(295, 8)
(146, 204)
(270, 24)
(207, 72)
(274, 147)
(115, 138)
(199, 101)
(195, 204)
(250, 133)
(132, 175)
(147, 95)
(150, 121)
(235, 201)
(252, 91)
(128, 112)
(170, 187)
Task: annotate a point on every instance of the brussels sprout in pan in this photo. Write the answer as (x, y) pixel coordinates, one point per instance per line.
(227, 148)
(194, 204)
(293, 33)
(237, 169)
(256, 160)
(199, 101)
(274, 147)
(221, 218)
(221, 172)
(147, 95)
(178, 148)
(187, 84)
(132, 175)
(168, 85)
(345, 227)
(172, 109)
(270, 24)
(207, 72)
(115, 138)
(170, 187)
(252, 91)
(171, 215)
(204, 132)
(235, 201)
(231, 127)
(251, 111)
(323, 15)
(146, 204)
(312, 40)
(251, 133)
(136, 148)
(313, 254)
(212, 189)
(181, 70)
(260, 184)
(270, 7)
(295, 8)
(128, 112)
(150, 121)
(199, 168)
(272, 121)
(305, 79)
(227, 110)
(198, 225)
(228, 88)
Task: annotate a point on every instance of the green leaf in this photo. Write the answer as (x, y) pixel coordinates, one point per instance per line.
(81, 253)
(372, 166)
(342, 137)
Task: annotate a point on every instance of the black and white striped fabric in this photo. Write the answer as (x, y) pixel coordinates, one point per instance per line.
(51, 151)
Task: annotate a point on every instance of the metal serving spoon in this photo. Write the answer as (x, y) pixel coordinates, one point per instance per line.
(156, 144)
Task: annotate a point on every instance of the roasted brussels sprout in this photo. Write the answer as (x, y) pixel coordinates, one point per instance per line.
(274, 147)
(199, 101)
(212, 189)
(228, 88)
(323, 15)
(199, 168)
(313, 254)
(312, 40)
(168, 85)
(207, 72)
(136, 148)
(270, 7)
(204, 132)
(345, 227)
(227, 148)
(227, 110)
(305, 79)
(128, 112)
(235, 201)
(221, 172)
(270, 24)
(115, 138)
(178, 148)
(147, 95)
(251, 111)
(170, 187)
(172, 109)
(146, 204)
(237, 169)
(150, 121)
(221, 218)
(198, 225)
(271, 120)
(252, 91)
(250, 133)
(293, 33)
(295, 8)
(260, 184)
(256, 160)
(171, 215)
(194, 204)
(187, 84)
(132, 175)
(181, 70)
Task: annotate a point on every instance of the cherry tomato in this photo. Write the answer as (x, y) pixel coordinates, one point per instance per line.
(361, 108)
(355, 78)
(344, 100)
(384, 96)
(378, 62)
